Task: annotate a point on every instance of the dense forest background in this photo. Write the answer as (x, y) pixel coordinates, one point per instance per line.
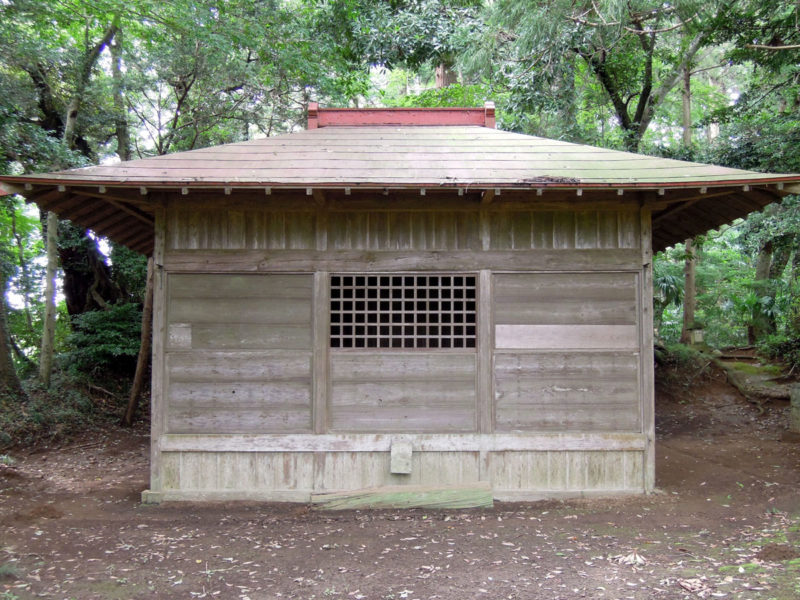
(89, 81)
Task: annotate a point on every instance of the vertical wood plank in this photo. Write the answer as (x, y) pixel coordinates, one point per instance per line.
(542, 230)
(630, 231)
(193, 231)
(171, 471)
(321, 227)
(485, 229)
(158, 375)
(586, 229)
(399, 225)
(501, 230)
(608, 233)
(484, 370)
(564, 229)
(236, 230)
(275, 231)
(320, 362)
(646, 328)
(521, 230)
(379, 238)
(300, 233)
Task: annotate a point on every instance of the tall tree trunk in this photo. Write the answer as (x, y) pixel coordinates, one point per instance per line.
(120, 113)
(445, 75)
(686, 97)
(49, 332)
(9, 382)
(144, 348)
(87, 277)
(24, 271)
(689, 292)
(759, 325)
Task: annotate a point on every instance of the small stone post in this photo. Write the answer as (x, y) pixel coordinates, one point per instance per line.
(794, 412)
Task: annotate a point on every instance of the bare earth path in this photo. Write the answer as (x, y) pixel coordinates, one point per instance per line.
(725, 525)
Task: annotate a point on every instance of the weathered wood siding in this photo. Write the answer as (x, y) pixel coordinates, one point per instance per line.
(419, 230)
(255, 403)
(238, 356)
(403, 391)
(286, 475)
(567, 352)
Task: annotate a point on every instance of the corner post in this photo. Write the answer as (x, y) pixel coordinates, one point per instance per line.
(646, 351)
(158, 385)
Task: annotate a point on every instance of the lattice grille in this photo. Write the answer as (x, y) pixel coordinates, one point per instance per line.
(403, 311)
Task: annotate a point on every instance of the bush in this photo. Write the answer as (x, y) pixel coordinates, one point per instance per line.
(104, 343)
(782, 347)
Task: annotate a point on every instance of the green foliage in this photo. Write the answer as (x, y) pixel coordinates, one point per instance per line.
(409, 33)
(679, 358)
(104, 343)
(782, 347)
(667, 293)
(452, 95)
(129, 272)
(583, 69)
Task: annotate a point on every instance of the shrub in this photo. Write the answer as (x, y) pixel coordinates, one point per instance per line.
(104, 343)
(782, 347)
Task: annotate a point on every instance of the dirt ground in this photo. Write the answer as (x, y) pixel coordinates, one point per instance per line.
(725, 524)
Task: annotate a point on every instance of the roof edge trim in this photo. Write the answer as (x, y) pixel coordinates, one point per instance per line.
(342, 117)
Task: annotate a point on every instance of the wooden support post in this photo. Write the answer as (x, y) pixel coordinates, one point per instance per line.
(320, 362)
(485, 375)
(647, 391)
(158, 411)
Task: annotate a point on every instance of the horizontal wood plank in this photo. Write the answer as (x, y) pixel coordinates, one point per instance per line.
(228, 395)
(251, 336)
(216, 366)
(555, 337)
(237, 420)
(422, 391)
(231, 287)
(219, 261)
(556, 298)
(475, 495)
(374, 442)
(242, 310)
(567, 392)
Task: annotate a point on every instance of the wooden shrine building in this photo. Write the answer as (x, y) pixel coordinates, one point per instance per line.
(400, 297)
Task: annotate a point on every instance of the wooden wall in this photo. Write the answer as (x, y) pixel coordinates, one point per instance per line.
(493, 228)
(246, 354)
(238, 353)
(566, 352)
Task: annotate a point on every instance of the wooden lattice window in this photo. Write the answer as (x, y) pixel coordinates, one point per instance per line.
(403, 310)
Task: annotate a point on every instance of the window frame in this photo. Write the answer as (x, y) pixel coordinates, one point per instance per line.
(411, 311)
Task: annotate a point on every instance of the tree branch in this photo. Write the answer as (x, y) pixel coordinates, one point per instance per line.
(773, 48)
(670, 81)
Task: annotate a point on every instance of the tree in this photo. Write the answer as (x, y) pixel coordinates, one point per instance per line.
(414, 34)
(9, 381)
(635, 52)
(689, 292)
(49, 330)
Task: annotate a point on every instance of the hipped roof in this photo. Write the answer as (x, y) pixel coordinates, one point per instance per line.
(687, 198)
